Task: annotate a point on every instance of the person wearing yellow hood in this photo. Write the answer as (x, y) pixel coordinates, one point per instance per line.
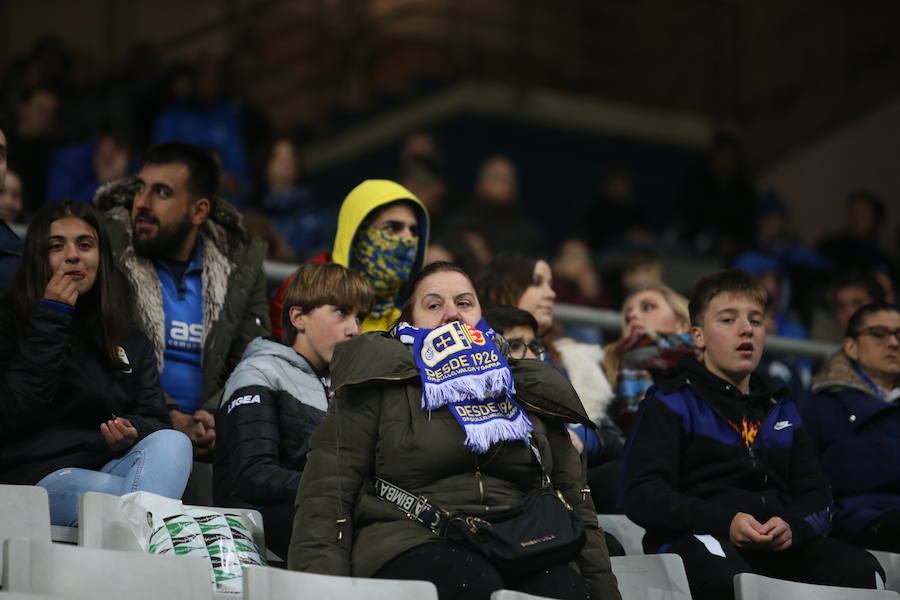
(382, 234)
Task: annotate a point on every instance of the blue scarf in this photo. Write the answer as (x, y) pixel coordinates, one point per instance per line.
(461, 368)
(385, 261)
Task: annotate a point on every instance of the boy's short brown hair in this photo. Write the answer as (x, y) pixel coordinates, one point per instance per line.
(729, 281)
(318, 284)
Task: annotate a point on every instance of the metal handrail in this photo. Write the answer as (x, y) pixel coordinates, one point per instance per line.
(611, 321)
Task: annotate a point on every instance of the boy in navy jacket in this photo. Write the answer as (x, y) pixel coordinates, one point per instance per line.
(720, 468)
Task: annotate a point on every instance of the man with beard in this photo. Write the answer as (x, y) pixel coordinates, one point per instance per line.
(198, 288)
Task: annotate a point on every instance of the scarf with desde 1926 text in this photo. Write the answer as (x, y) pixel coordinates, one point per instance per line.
(462, 369)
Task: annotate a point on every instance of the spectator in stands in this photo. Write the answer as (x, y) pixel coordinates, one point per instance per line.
(655, 335)
(197, 283)
(203, 113)
(792, 371)
(303, 223)
(11, 202)
(578, 282)
(519, 328)
(454, 248)
(35, 143)
(80, 404)
(384, 423)
(775, 281)
(851, 291)
(382, 234)
(720, 468)
(497, 213)
(526, 283)
(422, 177)
(260, 225)
(854, 419)
(10, 244)
(613, 217)
(640, 269)
(858, 245)
(798, 264)
(848, 292)
(278, 394)
(718, 200)
(77, 171)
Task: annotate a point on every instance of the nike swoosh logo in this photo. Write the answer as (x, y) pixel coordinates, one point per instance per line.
(782, 424)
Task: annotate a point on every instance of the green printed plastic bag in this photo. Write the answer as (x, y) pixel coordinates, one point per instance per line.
(166, 526)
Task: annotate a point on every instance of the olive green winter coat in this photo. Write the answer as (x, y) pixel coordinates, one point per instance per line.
(375, 426)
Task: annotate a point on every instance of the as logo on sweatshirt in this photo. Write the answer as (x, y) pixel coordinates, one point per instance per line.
(254, 399)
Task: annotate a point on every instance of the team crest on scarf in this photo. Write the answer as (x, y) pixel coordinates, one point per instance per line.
(461, 368)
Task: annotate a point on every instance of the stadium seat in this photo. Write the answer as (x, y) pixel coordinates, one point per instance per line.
(266, 583)
(748, 586)
(651, 577)
(19, 596)
(890, 562)
(25, 511)
(509, 595)
(629, 534)
(90, 574)
(102, 525)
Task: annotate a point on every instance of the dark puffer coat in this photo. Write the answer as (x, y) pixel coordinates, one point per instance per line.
(857, 439)
(273, 402)
(375, 426)
(55, 392)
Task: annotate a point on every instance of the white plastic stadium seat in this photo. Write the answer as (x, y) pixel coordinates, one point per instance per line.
(508, 595)
(651, 577)
(629, 533)
(89, 574)
(24, 513)
(890, 562)
(20, 596)
(266, 583)
(102, 525)
(748, 586)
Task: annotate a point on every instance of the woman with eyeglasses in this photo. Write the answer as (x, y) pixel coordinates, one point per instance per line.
(854, 418)
(527, 283)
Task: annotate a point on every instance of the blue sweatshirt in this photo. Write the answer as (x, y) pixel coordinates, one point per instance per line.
(182, 374)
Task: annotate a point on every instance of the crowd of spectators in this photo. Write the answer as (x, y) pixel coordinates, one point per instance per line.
(159, 186)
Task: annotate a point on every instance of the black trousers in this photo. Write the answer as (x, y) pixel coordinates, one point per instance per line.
(604, 483)
(463, 574)
(278, 523)
(881, 534)
(824, 561)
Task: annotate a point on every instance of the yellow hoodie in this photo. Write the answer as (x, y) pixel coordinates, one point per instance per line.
(362, 200)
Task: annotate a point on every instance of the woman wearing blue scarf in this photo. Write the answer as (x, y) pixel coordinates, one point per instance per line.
(854, 418)
(436, 409)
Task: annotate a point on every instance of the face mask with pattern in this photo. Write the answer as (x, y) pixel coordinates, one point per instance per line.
(385, 261)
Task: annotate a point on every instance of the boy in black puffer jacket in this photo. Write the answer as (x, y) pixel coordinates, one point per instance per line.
(278, 394)
(720, 468)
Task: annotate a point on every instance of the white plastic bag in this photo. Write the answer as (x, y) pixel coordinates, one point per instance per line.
(165, 526)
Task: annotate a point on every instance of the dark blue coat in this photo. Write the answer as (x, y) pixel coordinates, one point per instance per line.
(10, 253)
(857, 439)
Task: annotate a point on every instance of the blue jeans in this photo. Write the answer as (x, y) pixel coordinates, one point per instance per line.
(159, 463)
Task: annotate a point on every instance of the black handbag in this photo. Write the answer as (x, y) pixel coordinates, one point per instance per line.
(539, 531)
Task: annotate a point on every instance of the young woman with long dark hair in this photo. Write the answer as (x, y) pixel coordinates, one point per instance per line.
(80, 404)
